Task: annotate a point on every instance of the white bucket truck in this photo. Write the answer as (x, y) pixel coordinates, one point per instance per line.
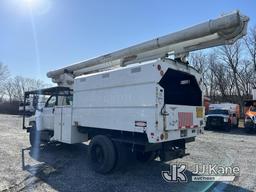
(133, 100)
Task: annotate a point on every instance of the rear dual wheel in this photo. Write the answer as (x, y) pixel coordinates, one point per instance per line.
(106, 155)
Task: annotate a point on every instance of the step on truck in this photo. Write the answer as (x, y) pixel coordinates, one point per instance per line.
(144, 100)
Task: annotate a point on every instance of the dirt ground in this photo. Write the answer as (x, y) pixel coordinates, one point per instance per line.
(59, 167)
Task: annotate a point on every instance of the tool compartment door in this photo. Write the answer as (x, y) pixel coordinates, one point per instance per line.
(66, 125)
(62, 124)
(63, 129)
(57, 123)
(183, 117)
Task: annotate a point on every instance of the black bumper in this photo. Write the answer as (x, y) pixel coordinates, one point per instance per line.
(217, 123)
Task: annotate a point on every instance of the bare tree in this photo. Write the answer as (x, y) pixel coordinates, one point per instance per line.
(9, 90)
(250, 42)
(221, 81)
(216, 76)
(17, 86)
(229, 72)
(21, 85)
(229, 56)
(213, 89)
(199, 61)
(246, 77)
(4, 74)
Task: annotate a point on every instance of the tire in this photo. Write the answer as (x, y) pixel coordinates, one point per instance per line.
(34, 138)
(102, 154)
(145, 157)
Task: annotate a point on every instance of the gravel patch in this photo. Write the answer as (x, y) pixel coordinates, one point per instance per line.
(60, 167)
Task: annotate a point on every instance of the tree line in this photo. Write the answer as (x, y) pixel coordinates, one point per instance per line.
(12, 89)
(228, 72)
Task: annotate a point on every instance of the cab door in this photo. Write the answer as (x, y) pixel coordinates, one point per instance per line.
(48, 113)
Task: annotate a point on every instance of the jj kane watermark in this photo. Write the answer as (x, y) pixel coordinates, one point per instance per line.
(201, 172)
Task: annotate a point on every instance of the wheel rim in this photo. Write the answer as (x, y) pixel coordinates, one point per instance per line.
(97, 154)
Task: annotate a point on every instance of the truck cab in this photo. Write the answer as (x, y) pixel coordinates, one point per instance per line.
(52, 119)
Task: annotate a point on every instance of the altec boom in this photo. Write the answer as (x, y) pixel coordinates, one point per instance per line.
(224, 30)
